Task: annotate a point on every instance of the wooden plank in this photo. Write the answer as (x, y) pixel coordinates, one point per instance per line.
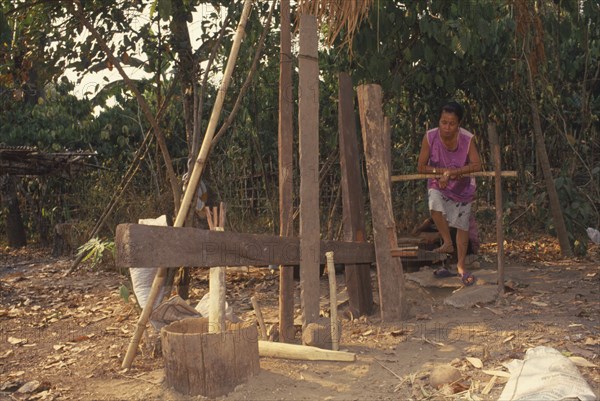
(308, 124)
(409, 177)
(138, 245)
(358, 277)
(494, 144)
(390, 275)
(286, 141)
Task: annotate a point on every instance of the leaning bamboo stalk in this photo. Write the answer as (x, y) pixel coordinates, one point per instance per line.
(302, 352)
(335, 344)
(194, 179)
(409, 177)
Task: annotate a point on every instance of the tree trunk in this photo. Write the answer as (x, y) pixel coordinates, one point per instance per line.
(540, 147)
(14, 223)
(182, 45)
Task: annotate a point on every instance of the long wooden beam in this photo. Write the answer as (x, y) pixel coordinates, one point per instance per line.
(153, 246)
(358, 277)
(409, 177)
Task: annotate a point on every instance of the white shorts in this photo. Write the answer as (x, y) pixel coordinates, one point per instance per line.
(456, 213)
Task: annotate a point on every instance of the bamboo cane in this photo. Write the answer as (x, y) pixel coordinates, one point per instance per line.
(193, 183)
(410, 177)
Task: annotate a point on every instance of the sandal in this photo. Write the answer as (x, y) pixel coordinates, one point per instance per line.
(468, 279)
(442, 272)
(446, 248)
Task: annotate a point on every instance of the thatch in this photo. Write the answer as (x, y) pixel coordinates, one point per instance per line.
(337, 15)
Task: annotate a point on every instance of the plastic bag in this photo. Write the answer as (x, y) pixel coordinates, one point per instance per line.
(545, 375)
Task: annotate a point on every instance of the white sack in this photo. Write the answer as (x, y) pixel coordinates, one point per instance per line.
(141, 277)
(545, 375)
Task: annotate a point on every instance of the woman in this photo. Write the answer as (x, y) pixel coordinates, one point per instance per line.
(449, 152)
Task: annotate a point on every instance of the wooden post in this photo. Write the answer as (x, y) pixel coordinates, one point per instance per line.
(286, 162)
(308, 120)
(495, 147)
(358, 277)
(217, 283)
(335, 345)
(390, 275)
(193, 183)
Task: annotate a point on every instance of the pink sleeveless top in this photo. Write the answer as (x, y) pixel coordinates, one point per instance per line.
(463, 189)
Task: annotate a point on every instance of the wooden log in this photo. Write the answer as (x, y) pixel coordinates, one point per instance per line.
(390, 275)
(287, 331)
(210, 364)
(335, 344)
(152, 246)
(308, 124)
(409, 177)
(495, 145)
(358, 276)
(302, 352)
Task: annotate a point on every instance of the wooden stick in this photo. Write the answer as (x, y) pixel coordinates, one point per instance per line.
(217, 283)
(335, 344)
(302, 352)
(193, 183)
(259, 318)
(493, 137)
(410, 177)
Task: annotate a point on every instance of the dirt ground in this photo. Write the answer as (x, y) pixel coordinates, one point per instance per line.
(64, 338)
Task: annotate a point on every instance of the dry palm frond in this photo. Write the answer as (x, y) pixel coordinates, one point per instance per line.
(337, 15)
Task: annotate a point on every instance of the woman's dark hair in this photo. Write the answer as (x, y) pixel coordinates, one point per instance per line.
(455, 108)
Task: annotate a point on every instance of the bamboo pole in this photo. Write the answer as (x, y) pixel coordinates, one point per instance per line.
(335, 344)
(193, 183)
(495, 145)
(410, 177)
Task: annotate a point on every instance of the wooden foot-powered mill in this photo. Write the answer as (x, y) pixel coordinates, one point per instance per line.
(210, 357)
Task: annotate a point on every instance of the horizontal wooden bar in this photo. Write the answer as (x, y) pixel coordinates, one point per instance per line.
(409, 177)
(154, 246)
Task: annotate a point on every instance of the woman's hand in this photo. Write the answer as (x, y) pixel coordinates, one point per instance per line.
(444, 179)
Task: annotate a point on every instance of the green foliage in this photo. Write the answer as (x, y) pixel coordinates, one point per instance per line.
(421, 52)
(96, 251)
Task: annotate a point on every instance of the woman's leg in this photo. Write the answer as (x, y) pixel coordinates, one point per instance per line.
(443, 228)
(462, 243)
